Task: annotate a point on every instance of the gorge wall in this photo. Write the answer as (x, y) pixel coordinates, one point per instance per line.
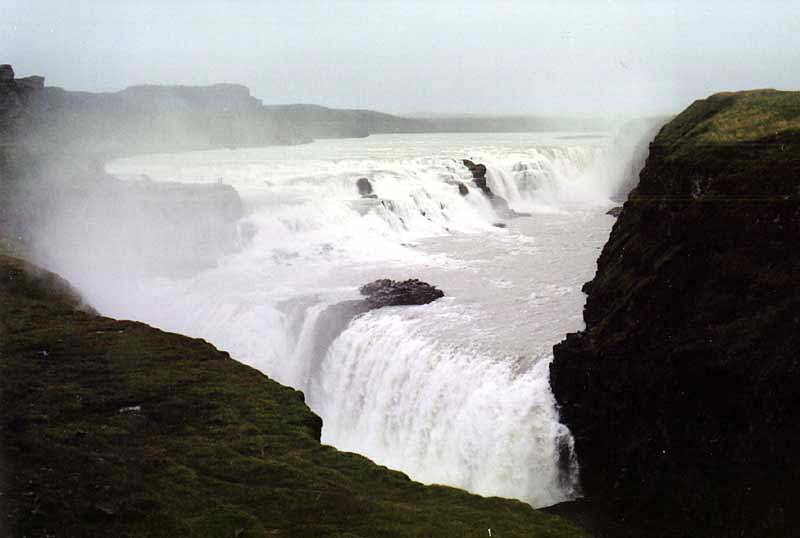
(682, 392)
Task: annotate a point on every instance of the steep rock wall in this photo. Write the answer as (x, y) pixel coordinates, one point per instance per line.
(683, 391)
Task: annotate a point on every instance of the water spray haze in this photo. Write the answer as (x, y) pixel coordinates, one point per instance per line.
(454, 392)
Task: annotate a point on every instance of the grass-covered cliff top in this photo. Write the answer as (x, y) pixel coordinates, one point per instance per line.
(763, 123)
(114, 428)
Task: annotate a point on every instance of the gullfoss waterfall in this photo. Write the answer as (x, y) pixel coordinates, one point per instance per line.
(453, 392)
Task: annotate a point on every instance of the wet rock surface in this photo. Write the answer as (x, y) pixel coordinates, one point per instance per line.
(386, 292)
(365, 188)
(499, 204)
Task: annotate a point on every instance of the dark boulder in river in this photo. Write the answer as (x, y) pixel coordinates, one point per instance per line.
(386, 292)
(615, 211)
(365, 188)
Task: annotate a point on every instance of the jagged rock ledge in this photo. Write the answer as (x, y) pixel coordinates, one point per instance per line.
(682, 392)
(499, 204)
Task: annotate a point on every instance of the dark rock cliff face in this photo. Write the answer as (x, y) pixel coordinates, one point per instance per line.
(683, 391)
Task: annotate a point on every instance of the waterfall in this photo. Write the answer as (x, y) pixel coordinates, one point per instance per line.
(454, 392)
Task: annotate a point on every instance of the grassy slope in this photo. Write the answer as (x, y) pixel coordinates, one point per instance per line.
(729, 132)
(114, 428)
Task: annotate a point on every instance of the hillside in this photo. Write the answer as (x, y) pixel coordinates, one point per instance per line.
(682, 392)
(152, 118)
(114, 428)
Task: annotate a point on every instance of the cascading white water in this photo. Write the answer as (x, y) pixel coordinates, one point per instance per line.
(453, 392)
(448, 413)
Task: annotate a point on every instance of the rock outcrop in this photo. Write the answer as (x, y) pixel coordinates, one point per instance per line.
(114, 428)
(683, 390)
(499, 204)
(387, 292)
(6, 73)
(365, 188)
(479, 176)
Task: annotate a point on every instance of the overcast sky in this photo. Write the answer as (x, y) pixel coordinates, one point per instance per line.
(526, 57)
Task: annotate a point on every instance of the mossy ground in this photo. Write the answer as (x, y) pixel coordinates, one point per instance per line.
(114, 428)
(735, 131)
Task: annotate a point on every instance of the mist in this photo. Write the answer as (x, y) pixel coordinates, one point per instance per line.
(417, 58)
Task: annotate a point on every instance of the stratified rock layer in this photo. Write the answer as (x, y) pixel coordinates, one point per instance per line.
(683, 392)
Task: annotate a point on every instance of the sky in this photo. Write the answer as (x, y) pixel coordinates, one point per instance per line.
(565, 58)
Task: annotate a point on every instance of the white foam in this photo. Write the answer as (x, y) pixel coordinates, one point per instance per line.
(454, 392)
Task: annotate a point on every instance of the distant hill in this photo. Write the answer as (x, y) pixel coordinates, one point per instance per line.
(152, 118)
(155, 118)
(322, 122)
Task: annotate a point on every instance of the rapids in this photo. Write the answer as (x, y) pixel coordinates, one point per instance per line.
(453, 392)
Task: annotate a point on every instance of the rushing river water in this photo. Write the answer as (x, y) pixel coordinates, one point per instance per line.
(452, 392)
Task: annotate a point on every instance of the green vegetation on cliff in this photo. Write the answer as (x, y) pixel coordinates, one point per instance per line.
(114, 428)
(731, 130)
(683, 390)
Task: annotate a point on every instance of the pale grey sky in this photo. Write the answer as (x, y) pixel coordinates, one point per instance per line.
(513, 57)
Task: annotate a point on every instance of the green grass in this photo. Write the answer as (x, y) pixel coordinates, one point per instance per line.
(735, 134)
(113, 428)
(733, 117)
(753, 115)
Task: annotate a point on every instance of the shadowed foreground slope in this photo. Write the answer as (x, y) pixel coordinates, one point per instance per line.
(114, 428)
(683, 392)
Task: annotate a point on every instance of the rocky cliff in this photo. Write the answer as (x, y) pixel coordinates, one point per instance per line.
(682, 392)
(114, 428)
